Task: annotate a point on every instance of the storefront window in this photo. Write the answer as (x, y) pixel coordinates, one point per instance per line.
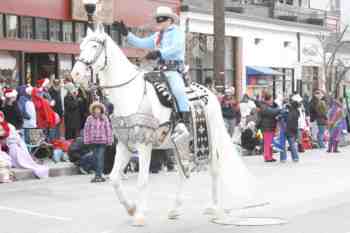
(67, 32)
(27, 28)
(1, 26)
(9, 76)
(79, 32)
(41, 32)
(65, 65)
(11, 26)
(55, 30)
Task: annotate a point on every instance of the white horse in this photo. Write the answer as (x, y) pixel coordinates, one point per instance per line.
(128, 91)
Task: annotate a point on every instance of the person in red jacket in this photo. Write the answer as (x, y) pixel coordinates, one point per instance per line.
(46, 117)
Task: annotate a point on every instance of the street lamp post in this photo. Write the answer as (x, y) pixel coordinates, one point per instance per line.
(90, 8)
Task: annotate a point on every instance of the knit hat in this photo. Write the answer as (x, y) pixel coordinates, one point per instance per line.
(97, 104)
(41, 83)
(10, 93)
(70, 87)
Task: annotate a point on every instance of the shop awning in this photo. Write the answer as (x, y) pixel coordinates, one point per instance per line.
(261, 71)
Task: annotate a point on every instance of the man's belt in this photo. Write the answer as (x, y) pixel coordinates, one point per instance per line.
(171, 65)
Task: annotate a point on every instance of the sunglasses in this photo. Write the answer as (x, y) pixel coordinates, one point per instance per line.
(161, 19)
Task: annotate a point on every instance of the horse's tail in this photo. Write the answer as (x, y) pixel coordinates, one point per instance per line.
(237, 184)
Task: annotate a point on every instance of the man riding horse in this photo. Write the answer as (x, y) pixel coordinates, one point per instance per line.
(168, 47)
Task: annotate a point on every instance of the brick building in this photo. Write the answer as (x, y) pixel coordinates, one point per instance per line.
(40, 38)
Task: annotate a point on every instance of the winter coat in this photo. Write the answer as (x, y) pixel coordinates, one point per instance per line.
(318, 111)
(292, 121)
(13, 115)
(46, 117)
(72, 118)
(229, 109)
(57, 97)
(267, 117)
(27, 108)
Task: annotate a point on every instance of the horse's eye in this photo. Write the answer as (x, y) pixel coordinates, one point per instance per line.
(95, 46)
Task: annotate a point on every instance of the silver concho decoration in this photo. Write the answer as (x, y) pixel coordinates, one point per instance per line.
(134, 129)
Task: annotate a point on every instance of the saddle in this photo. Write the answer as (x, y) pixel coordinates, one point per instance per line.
(199, 149)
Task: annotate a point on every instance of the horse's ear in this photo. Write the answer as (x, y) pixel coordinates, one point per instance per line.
(100, 28)
(89, 32)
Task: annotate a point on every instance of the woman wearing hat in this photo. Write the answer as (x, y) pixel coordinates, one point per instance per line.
(168, 46)
(98, 133)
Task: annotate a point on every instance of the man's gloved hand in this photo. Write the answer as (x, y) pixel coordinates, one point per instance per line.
(123, 28)
(153, 55)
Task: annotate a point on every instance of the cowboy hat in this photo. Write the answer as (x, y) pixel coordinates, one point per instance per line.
(164, 11)
(97, 104)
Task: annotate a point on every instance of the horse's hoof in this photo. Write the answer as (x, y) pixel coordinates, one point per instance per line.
(139, 221)
(173, 214)
(210, 211)
(132, 210)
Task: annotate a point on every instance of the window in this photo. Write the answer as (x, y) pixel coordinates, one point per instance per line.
(41, 32)
(27, 28)
(55, 30)
(1, 26)
(79, 32)
(11, 26)
(67, 31)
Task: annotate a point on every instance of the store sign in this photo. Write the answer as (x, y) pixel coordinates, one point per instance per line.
(104, 11)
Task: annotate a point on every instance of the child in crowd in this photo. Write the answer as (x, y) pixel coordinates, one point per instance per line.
(98, 133)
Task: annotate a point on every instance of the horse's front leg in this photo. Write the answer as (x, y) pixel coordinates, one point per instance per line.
(144, 152)
(121, 160)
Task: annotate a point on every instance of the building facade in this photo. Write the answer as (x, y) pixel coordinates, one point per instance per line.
(40, 38)
(270, 45)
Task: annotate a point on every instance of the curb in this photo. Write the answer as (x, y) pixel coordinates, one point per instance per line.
(55, 170)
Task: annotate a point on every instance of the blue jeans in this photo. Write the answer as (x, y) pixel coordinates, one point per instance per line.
(292, 144)
(320, 136)
(99, 154)
(53, 134)
(177, 86)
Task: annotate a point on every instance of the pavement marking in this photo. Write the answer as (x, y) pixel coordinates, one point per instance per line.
(23, 211)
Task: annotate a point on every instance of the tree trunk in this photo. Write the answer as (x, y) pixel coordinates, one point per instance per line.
(219, 41)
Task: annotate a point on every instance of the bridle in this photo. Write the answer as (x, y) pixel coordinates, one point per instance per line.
(102, 48)
(89, 63)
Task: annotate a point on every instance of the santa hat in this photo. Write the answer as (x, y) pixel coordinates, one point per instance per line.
(10, 93)
(42, 82)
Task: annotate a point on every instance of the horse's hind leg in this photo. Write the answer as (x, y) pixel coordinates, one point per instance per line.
(175, 212)
(215, 208)
(121, 160)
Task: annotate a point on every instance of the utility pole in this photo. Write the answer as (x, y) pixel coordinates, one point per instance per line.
(219, 41)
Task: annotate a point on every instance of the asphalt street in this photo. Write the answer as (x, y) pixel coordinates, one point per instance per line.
(313, 196)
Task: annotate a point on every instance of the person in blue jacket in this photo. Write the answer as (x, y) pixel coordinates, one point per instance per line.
(168, 47)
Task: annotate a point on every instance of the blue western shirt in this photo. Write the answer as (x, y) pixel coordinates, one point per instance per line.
(172, 45)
